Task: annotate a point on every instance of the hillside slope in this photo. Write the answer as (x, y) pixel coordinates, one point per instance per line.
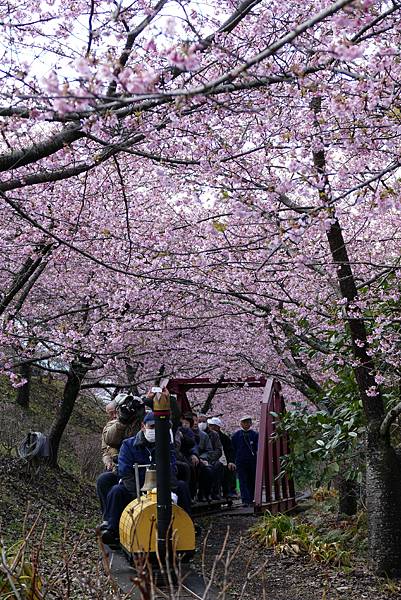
(58, 493)
(62, 501)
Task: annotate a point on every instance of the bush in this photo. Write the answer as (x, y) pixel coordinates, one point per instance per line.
(19, 576)
(323, 493)
(87, 451)
(290, 538)
(10, 435)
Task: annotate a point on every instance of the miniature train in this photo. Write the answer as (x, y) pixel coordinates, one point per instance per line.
(138, 529)
(138, 525)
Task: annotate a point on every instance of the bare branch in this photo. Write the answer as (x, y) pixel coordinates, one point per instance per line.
(131, 37)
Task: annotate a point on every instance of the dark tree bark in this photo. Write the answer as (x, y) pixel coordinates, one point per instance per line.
(23, 394)
(27, 270)
(348, 496)
(131, 371)
(76, 373)
(383, 469)
(160, 374)
(31, 154)
(208, 402)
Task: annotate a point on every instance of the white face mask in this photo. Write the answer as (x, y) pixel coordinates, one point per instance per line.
(202, 426)
(150, 435)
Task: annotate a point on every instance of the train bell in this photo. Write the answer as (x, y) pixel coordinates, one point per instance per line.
(150, 479)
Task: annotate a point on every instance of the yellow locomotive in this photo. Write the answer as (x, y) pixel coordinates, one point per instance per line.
(151, 524)
(138, 527)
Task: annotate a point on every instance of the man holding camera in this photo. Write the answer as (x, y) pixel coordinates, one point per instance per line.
(126, 413)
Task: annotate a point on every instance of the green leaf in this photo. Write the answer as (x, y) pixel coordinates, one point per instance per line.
(220, 227)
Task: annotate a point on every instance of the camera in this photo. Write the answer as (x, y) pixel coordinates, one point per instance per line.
(129, 407)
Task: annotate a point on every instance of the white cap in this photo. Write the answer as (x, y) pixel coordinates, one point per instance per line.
(246, 418)
(215, 421)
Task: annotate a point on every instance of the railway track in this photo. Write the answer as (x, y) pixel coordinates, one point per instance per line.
(190, 585)
(220, 507)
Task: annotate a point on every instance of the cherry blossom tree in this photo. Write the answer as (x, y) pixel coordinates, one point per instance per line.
(208, 188)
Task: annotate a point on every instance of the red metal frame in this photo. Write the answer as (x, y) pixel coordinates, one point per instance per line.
(272, 491)
(180, 387)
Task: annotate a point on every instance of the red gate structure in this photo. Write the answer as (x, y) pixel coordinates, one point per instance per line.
(273, 491)
(181, 386)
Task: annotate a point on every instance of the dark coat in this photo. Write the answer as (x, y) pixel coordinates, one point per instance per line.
(185, 444)
(204, 447)
(227, 447)
(138, 450)
(245, 444)
(216, 445)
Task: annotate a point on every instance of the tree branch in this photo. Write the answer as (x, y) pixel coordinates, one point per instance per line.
(20, 158)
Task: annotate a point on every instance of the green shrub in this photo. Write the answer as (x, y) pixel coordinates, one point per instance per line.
(18, 575)
(290, 538)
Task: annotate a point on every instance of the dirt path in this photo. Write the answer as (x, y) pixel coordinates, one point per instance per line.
(257, 573)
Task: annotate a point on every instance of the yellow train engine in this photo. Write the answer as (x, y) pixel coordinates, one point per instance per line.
(139, 531)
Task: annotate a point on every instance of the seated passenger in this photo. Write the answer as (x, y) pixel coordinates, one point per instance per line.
(122, 423)
(185, 451)
(208, 457)
(214, 456)
(139, 449)
(228, 459)
(187, 458)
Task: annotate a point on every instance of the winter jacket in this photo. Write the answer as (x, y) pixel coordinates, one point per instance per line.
(245, 444)
(204, 448)
(185, 444)
(137, 449)
(113, 434)
(227, 447)
(216, 445)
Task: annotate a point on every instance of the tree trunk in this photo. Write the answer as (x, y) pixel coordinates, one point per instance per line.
(347, 496)
(77, 371)
(383, 492)
(208, 402)
(160, 374)
(32, 263)
(131, 371)
(383, 471)
(23, 394)
(383, 474)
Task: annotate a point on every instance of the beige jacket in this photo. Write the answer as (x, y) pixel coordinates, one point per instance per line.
(113, 435)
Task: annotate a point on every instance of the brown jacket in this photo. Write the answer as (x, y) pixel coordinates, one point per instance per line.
(113, 435)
